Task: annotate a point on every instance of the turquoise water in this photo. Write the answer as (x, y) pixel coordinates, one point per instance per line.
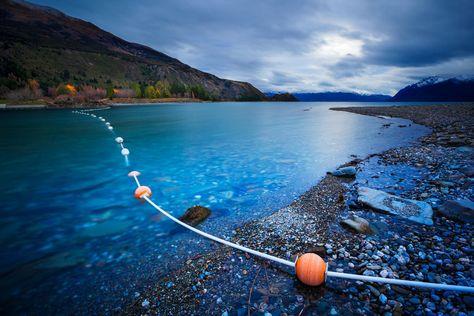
(73, 237)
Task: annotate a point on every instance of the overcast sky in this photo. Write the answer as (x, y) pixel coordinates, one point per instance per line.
(281, 45)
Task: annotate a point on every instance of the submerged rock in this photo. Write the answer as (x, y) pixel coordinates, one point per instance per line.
(460, 210)
(358, 224)
(348, 172)
(195, 215)
(417, 211)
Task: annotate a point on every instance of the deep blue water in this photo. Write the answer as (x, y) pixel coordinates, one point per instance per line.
(71, 233)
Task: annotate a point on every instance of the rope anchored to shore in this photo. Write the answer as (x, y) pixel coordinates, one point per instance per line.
(310, 268)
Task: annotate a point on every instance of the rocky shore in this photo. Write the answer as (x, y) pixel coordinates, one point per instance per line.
(343, 220)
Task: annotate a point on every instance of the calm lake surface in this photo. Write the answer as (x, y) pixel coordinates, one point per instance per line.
(72, 236)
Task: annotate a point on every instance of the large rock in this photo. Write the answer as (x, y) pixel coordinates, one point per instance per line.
(460, 210)
(195, 215)
(347, 172)
(417, 211)
(359, 224)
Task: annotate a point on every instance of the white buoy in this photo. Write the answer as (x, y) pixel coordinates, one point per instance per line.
(119, 140)
(110, 128)
(107, 123)
(125, 152)
(134, 174)
(102, 120)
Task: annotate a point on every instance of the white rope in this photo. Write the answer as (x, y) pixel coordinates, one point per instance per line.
(217, 239)
(136, 180)
(436, 286)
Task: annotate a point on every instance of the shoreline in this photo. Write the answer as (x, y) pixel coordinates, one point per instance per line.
(43, 104)
(197, 286)
(48, 105)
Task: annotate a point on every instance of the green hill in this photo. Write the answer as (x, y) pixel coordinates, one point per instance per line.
(43, 44)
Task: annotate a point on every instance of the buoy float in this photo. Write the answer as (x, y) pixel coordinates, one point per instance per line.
(311, 269)
(119, 140)
(107, 123)
(110, 128)
(142, 191)
(125, 152)
(134, 174)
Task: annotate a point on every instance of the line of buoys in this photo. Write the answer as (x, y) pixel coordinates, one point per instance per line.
(310, 268)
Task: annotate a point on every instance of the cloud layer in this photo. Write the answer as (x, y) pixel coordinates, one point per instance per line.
(364, 46)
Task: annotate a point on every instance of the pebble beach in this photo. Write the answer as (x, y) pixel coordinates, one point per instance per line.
(435, 171)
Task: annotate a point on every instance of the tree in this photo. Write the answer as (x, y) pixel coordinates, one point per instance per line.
(178, 89)
(162, 89)
(65, 75)
(110, 92)
(199, 92)
(150, 92)
(137, 89)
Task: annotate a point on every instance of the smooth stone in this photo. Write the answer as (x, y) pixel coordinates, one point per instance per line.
(344, 172)
(359, 224)
(195, 215)
(416, 211)
(460, 210)
(465, 149)
(373, 290)
(468, 171)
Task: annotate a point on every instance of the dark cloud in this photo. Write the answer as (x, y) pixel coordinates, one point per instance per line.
(368, 46)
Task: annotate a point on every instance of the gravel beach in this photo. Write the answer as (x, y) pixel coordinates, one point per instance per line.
(436, 171)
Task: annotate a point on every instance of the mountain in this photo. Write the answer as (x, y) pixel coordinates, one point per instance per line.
(341, 97)
(281, 97)
(41, 43)
(438, 89)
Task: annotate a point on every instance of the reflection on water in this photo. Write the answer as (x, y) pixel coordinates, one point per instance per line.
(72, 235)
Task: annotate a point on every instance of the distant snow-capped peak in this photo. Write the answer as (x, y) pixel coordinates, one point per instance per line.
(437, 79)
(430, 81)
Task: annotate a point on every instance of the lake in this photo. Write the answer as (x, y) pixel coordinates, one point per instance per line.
(74, 239)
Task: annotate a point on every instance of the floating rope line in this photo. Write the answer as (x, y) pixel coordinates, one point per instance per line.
(310, 268)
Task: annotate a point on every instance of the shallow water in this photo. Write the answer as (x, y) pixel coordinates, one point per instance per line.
(73, 237)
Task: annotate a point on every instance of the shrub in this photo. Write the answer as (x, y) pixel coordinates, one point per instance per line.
(30, 91)
(124, 93)
(52, 92)
(88, 93)
(66, 89)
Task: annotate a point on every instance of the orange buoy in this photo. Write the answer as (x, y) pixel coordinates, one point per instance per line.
(311, 269)
(142, 191)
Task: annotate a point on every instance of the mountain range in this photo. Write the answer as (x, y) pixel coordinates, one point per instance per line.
(430, 89)
(42, 43)
(438, 89)
(341, 97)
